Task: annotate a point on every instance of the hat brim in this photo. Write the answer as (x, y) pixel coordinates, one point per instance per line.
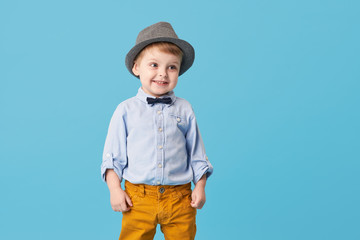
(186, 48)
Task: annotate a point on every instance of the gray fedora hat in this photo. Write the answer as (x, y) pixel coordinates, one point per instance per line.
(160, 32)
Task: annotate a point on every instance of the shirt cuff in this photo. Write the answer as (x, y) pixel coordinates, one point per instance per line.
(108, 163)
(206, 168)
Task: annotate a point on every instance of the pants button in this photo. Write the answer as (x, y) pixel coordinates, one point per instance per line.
(162, 190)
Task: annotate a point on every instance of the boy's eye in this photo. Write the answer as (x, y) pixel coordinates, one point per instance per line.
(173, 67)
(153, 65)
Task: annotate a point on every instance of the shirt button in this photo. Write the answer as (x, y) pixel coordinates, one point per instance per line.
(160, 129)
(108, 155)
(159, 166)
(178, 119)
(160, 147)
(159, 112)
(162, 190)
(158, 182)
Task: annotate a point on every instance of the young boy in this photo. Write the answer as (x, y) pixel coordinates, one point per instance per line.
(154, 143)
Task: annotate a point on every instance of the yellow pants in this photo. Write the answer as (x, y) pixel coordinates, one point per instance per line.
(168, 206)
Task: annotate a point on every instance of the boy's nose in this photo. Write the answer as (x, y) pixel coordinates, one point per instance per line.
(162, 73)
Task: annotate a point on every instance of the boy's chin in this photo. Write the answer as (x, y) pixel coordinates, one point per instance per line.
(159, 93)
(156, 92)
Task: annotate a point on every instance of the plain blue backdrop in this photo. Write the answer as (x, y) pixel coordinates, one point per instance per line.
(275, 87)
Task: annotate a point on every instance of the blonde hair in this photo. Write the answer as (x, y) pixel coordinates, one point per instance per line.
(165, 47)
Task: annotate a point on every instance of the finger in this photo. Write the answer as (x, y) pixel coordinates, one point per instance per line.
(128, 200)
(193, 198)
(116, 209)
(124, 207)
(198, 204)
(126, 210)
(194, 204)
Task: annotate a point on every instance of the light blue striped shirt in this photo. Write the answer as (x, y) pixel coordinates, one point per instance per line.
(156, 144)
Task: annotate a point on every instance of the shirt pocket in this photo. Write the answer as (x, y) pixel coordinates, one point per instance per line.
(179, 122)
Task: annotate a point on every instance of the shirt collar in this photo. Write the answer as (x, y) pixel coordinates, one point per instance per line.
(142, 96)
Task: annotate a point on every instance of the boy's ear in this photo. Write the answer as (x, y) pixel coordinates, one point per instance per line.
(135, 69)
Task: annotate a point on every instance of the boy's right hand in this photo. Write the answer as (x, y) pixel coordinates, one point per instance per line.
(119, 200)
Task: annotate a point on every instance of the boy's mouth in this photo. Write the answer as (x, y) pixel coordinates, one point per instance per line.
(161, 83)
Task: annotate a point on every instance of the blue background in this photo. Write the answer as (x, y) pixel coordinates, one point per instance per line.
(275, 87)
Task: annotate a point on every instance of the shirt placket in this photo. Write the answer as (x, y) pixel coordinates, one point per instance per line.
(160, 138)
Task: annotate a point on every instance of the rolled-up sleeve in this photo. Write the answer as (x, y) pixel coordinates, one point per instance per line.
(114, 155)
(196, 151)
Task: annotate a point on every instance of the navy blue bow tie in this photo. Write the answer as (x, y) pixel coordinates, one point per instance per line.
(166, 100)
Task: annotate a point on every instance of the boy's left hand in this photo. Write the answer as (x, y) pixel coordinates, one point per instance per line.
(198, 195)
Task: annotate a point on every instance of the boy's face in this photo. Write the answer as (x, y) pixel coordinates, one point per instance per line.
(158, 71)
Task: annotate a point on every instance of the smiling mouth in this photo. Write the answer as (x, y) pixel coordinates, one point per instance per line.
(160, 82)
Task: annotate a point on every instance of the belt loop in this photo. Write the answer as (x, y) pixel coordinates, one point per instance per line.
(142, 190)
